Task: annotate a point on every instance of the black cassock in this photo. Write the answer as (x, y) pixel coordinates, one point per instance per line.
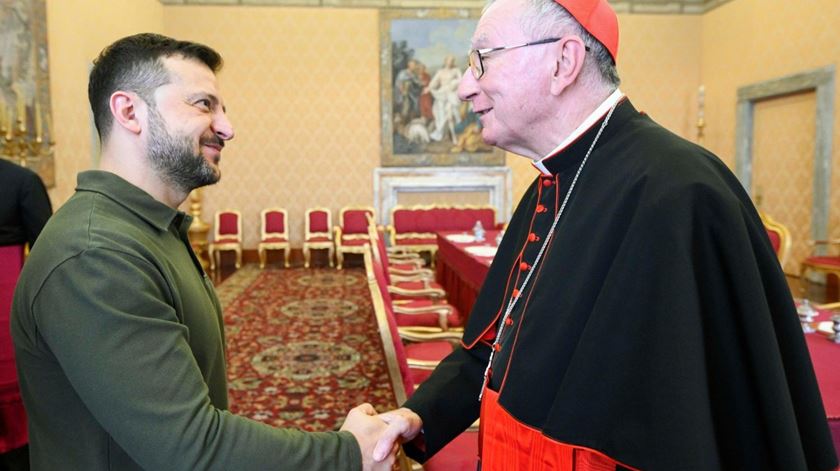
(658, 329)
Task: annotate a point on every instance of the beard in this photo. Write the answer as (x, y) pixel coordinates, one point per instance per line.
(174, 157)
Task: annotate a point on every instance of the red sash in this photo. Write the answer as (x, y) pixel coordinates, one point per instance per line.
(505, 444)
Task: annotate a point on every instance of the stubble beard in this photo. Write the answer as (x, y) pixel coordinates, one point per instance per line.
(173, 158)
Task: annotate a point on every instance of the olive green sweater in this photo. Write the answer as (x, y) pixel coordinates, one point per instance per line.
(120, 349)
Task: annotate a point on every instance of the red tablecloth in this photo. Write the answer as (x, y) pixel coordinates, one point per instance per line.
(825, 355)
(460, 272)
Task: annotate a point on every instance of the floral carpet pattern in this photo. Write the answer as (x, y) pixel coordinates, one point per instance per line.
(302, 346)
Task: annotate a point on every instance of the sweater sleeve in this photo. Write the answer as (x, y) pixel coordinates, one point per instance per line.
(104, 316)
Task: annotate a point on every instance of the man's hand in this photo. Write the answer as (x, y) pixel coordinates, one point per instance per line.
(363, 423)
(403, 426)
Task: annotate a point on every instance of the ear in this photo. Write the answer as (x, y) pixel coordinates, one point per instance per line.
(570, 53)
(124, 108)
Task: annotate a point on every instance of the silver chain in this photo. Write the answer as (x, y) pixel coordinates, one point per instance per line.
(514, 299)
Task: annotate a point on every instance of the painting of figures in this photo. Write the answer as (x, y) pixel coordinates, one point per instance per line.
(424, 122)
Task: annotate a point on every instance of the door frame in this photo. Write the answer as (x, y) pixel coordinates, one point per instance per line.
(821, 81)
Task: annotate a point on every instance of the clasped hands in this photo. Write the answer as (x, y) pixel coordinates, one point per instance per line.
(379, 435)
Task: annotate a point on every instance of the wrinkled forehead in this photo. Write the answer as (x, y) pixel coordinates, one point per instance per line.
(189, 72)
(191, 76)
(500, 23)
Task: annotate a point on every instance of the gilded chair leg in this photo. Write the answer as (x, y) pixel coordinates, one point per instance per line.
(212, 256)
(286, 256)
(330, 256)
(261, 253)
(238, 258)
(339, 259)
(305, 256)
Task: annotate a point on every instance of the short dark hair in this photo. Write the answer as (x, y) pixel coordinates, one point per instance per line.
(134, 64)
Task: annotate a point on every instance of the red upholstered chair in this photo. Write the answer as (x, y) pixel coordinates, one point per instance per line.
(829, 264)
(408, 365)
(779, 237)
(413, 228)
(227, 235)
(317, 234)
(415, 306)
(419, 283)
(352, 232)
(274, 234)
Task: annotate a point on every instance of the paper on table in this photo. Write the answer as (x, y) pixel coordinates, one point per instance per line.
(481, 250)
(461, 238)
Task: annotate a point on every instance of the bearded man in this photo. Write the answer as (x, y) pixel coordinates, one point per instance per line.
(117, 329)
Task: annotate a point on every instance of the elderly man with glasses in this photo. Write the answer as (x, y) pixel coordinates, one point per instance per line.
(635, 315)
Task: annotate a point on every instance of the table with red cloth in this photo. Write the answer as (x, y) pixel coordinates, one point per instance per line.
(462, 264)
(825, 356)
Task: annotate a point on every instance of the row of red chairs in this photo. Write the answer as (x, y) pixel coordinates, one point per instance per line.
(418, 330)
(319, 234)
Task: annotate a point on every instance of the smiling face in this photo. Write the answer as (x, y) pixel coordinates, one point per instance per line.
(512, 97)
(187, 126)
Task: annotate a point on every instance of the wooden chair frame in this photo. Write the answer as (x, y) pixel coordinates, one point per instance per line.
(328, 245)
(263, 246)
(784, 236)
(341, 249)
(213, 248)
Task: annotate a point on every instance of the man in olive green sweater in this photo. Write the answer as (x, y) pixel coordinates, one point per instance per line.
(117, 330)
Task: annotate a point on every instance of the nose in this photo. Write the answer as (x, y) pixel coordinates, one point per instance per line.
(222, 126)
(468, 86)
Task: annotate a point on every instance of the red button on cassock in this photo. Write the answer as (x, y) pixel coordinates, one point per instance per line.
(515, 293)
(532, 237)
(548, 181)
(508, 321)
(524, 266)
(540, 208)
(497, 347)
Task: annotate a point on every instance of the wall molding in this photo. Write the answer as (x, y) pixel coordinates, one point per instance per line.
(645, 7)
(820, 81)
(389, 182)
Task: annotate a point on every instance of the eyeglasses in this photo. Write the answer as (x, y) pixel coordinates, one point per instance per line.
(477, 55)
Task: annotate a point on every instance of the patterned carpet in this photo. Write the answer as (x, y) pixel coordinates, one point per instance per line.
(302, 346)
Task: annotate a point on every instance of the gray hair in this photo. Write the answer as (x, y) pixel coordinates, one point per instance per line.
(547, 18)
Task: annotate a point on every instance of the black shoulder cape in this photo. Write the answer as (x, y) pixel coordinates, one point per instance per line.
(658, 329)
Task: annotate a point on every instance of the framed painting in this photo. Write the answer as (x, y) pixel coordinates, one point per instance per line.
(423, 54)
(25, 114)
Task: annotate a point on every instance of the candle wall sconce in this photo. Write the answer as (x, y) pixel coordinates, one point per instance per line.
(23, 134)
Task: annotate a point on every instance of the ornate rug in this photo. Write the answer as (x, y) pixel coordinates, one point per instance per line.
(302, 346)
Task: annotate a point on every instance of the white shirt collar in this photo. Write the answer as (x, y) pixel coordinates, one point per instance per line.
(587, 123)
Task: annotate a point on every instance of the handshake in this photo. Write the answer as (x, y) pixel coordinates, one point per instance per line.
(379, 435)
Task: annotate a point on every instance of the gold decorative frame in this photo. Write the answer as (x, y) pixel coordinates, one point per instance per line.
(25, 112)
(411, 137)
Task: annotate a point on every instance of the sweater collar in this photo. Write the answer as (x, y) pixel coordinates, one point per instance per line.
(132, 198)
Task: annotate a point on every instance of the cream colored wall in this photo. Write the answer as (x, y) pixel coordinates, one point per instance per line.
(302, 89)
(76, 31)
(302, 86)
(750, 41)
